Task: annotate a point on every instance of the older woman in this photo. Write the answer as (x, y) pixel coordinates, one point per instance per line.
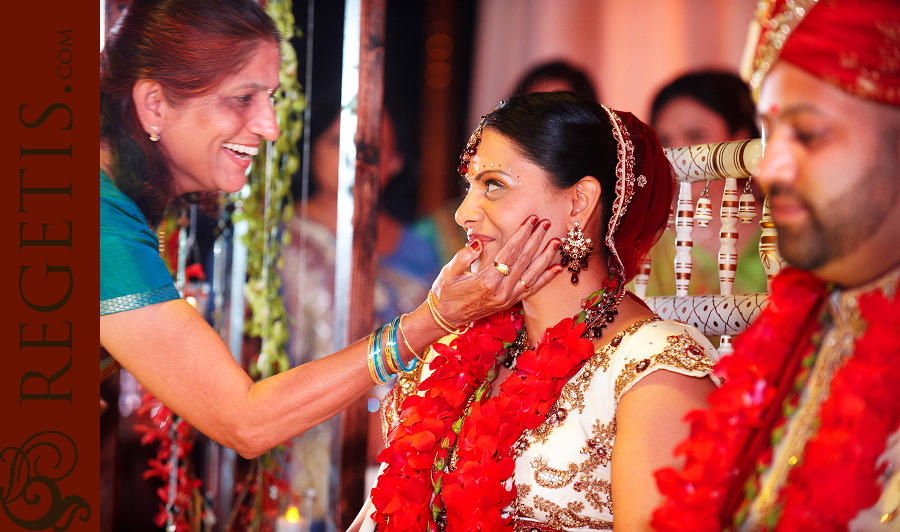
(552, 415)
(186, 91)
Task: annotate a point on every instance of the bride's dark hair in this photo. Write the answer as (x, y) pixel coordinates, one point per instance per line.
(571, 137)
(568, 136)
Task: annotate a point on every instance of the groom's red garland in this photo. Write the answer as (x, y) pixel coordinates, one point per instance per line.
(418, 488)
(838, 473)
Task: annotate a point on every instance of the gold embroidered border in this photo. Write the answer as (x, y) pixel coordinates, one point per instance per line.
(407, 384)
(780, 25)
(527, 525)
(838, 343)
(568, 517)
(683, 352)
(597, 491)
(600, 446)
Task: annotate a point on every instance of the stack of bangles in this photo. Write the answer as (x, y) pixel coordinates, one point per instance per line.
(385, 364)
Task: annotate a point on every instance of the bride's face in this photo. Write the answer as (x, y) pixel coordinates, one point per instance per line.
(503, 189)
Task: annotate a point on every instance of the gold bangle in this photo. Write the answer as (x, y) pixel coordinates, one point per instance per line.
(389, 353)
(370, 359)
(446, 325)
(406, 342)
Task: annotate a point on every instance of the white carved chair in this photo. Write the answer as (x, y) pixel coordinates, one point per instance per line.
(723, 314)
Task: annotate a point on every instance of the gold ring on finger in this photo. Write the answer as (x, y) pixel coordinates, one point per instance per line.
(526, 285)
(503, 268)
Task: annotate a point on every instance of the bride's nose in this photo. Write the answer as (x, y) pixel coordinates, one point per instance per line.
(468, 211)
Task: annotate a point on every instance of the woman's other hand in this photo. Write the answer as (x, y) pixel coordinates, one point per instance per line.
(465, 296)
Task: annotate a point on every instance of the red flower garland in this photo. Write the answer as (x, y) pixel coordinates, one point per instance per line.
(186, 490)
(837, 476)
(416, 489)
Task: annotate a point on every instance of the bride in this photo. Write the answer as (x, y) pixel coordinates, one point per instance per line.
(541, 416)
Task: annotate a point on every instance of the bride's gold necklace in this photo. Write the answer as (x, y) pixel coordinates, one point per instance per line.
(598, 316)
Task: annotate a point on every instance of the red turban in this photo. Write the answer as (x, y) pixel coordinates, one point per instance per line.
(852, 44)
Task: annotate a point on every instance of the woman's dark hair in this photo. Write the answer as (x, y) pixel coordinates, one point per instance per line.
(722, 92)
(571, 137)
(188, 47)
(565, 134)
(576, 78)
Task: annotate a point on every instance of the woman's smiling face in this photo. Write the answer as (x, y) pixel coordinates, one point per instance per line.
(503, 188)
(208, 141)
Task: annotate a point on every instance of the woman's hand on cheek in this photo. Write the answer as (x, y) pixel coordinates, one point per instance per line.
(465, 296)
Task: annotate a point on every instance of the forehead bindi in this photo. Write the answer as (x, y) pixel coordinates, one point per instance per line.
(484, 168)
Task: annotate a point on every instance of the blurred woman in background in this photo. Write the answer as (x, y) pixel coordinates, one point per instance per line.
(701, 108)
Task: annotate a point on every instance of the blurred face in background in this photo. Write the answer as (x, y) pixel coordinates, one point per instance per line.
(325, 159)
(685, 121)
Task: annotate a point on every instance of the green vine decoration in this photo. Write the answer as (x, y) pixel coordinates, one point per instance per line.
(268, 204)
(266, 208)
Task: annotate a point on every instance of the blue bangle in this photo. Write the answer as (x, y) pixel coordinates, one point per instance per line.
(392, 341)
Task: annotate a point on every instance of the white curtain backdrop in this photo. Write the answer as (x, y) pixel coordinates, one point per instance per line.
(630, 48)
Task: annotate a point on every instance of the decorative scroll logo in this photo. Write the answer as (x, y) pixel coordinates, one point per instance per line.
(32, 500)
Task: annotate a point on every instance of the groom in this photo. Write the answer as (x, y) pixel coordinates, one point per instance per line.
(803, 435)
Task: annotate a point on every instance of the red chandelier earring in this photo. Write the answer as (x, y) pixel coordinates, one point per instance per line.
(575, 251)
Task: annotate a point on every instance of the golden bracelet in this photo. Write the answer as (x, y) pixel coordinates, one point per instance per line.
(406, 342)
(370, 359)
(444, 324)
(389, 353)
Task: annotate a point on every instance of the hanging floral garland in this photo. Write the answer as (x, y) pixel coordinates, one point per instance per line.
(266, 204)
(265, 207)
(182, 508)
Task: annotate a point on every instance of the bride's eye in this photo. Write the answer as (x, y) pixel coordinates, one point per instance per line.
(492, 185)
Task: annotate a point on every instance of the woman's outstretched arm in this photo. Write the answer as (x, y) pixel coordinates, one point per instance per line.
(181, 360)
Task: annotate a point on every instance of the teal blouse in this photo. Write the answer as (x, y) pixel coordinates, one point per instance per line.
(132, 274)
